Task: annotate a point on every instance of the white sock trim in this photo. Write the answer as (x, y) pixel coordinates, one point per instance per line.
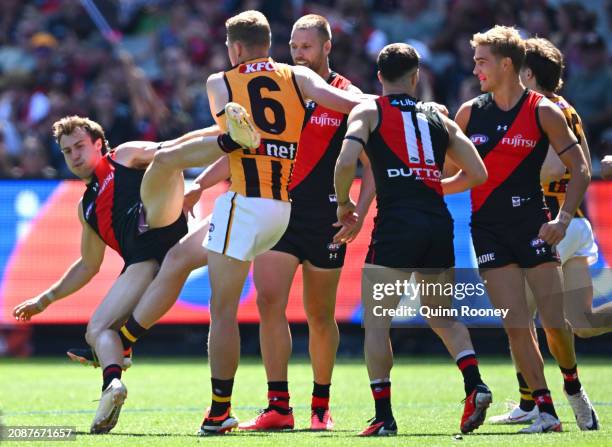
(464, 353)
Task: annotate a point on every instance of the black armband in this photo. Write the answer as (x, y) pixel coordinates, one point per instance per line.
(226, 143)
(357, 139)
(575, 143)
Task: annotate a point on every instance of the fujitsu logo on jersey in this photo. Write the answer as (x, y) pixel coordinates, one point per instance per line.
(109, 178)
(256, 67)
(325, 120)
(420, 173)
(519, 141)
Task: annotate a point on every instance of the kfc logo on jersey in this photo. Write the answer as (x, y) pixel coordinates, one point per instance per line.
(519, 141)
(419, 173)
(256, 67)
(325, 120)
(479, 139)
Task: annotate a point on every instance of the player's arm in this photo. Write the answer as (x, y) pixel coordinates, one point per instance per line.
(357, 134)
(566, 145)
(312, 86)
(462, 153)
(139, 154)
(461, 118)
(218, 96)
(553, 168)
(213, 174)
(77, 275)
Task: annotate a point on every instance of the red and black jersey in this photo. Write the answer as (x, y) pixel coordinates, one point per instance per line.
(312, 180)
(111, 203)
(406, 151)
(513, 147)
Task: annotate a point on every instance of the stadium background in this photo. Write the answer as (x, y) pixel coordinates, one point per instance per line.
(140, 74)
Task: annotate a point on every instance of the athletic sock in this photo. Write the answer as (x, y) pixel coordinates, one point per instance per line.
(278, 396)
(381, 391)
(110, 372)
(527, 403)
(544, 402)
(221, 396)
(571, 382)
(130, 332)
(468, 364)
(320, 396)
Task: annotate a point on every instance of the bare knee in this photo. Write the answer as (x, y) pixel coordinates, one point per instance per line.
(321, 321)
(270, 303)
(92, 333)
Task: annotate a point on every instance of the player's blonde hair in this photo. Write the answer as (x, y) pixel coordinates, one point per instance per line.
(251, 28)
(68, 124)
(546, 62)
(316, 22)
(504, 41)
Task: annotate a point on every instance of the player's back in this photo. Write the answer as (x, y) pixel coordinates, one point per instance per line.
(407, 151)
(269, 92)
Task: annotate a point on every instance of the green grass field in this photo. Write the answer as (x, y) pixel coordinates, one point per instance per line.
(167, 397)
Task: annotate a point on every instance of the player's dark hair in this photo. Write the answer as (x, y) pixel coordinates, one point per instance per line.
(397, 60)
(69, 124)
(546, 62)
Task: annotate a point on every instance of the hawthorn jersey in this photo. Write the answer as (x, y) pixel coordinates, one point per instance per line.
(112, 207)
(312, 182)
(406, 152)
(554, 192)
(513, 147)
(269, 92)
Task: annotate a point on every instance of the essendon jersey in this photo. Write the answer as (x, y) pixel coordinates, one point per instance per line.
(554, 192)
(112, 200)
(513, 147)
(269, 92)
(312, 181)
(407, 151)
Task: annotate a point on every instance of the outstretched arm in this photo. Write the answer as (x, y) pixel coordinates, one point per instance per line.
(77, 275)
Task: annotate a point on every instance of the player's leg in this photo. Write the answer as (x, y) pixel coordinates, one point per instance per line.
(455, 336)
(320, 288)
(546, 282)
(112, 312)
(506, 288)
(578, 284)
(526, 410)
(377, 345)
(273, 273)
(227, 276)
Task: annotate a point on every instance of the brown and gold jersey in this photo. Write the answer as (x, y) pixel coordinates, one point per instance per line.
(554, 192)
(268, 90)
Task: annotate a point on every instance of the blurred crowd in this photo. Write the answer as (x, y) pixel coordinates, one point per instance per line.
(138, 66)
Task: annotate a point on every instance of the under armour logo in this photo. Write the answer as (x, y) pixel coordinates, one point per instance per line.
(541, 251)
(500, 128)
(333, 256)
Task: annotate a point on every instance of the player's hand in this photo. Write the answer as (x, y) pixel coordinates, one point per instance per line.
(606, 167)
(552, 232)
(189, 201)
(347, 234)
(439, 107)
(29, 308)
(347, 217)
